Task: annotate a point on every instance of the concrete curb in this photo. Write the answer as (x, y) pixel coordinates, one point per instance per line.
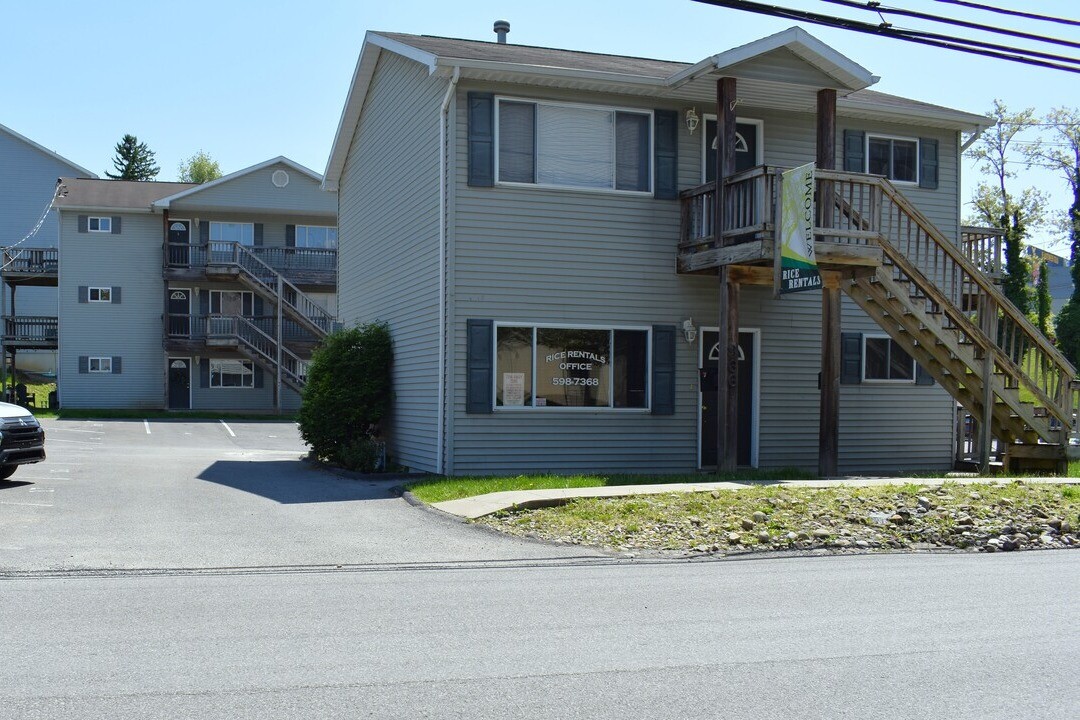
(479, 506)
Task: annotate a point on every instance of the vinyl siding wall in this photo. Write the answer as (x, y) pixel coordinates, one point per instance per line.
(539, 256)
(27, 182)
(388, 243)
(130, 329)
(256, 191)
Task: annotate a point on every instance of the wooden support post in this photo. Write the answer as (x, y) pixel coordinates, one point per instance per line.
(829, 415)
(829, 406)
(988, 324)
(727, 407)
(727, 428)
(826, 153)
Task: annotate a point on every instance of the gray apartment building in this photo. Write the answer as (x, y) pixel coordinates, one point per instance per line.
(28, 175)
(568, 291)
(182, 296)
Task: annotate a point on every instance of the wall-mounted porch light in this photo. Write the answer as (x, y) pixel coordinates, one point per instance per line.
(692, 120)
(689, 331)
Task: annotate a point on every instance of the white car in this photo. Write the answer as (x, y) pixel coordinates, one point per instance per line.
(22, 441)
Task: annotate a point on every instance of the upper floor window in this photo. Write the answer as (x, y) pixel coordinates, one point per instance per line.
(315, 236)
(99, 224)
(894, 157)
(232, 232)
(573, 146)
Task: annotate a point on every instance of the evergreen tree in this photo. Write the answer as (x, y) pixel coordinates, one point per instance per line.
(133, 161)
(199, 168)
(1042, 298)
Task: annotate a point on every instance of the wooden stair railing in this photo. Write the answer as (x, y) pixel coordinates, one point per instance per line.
(964, 311)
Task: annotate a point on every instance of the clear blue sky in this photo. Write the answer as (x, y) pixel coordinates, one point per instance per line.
(248, 80)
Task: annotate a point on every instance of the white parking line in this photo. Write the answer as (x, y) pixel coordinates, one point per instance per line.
(227, 428)
(67, 429)
(146, 424)
(4, 502)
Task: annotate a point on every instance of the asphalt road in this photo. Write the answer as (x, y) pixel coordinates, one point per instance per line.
(895, 636)
(192, 573)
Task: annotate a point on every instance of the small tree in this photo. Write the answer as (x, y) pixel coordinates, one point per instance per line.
(199, 168)
(347, 394)
(134, 161)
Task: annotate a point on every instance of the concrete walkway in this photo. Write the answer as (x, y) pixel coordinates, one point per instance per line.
(471, 508)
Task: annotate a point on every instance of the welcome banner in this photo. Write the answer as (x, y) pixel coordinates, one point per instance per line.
(798, 268)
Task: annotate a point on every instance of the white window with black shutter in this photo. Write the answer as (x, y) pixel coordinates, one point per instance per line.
(100, 365)
(573, 146)
(106, 225)
(903, 160)
(877, 358)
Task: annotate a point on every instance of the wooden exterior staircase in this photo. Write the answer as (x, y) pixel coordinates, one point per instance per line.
(938, 300)
(940, 306)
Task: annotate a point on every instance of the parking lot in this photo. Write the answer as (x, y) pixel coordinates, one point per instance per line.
(133, 494)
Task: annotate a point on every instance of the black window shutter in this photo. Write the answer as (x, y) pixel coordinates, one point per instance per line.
(257, 234)
(290, 236)
(204, 372)
(666, 150)
(116, 224)
(922, 377)
(117, 365)
(84, 364)
(481, 139)
(115, 293)
(204, 302)
(663, 369)
(83, 222)
(259, 381)
(854, 151)
(850, 358)
(479, 364)
(928, 163)
(84, 294)
(204, 232)
(257, 306)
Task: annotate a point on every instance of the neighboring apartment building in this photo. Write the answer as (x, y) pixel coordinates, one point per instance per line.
(182, 296)
(28, 175)
(539, 229)
(1061, 284)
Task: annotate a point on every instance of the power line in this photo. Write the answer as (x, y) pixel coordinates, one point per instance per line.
(949, 43)
(1014, 13)
(877, 7)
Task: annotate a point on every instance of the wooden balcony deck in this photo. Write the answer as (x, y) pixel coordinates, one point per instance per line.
(31, 332)
(305, 267)
(844, 228)
(31, 266)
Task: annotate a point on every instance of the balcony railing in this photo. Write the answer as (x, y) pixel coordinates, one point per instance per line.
(750, 209)
(204, 327)
(30, 329)
(283, 259)
(31, 260)
(982, 246)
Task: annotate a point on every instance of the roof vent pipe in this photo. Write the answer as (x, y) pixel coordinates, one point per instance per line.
(501, 28)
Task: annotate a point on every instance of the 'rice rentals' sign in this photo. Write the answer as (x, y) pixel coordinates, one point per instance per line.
(798, 266)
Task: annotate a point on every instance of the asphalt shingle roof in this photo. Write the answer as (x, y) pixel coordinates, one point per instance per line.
(84, 192)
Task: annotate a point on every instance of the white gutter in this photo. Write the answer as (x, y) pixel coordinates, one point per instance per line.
(439, 459)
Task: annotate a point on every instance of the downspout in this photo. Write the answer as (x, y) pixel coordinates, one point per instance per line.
(440, 414)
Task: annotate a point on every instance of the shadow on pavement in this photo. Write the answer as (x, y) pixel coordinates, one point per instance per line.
(11, 484)
(292, 482)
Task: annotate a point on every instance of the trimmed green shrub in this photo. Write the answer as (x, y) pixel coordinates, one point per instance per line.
(347, 394)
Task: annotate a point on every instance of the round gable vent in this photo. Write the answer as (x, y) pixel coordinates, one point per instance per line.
(280, 178)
